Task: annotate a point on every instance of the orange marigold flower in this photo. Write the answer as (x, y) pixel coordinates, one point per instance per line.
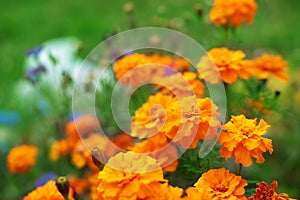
(177, 63)
(267, 65)
(243, 139)
(129, 176)
(190, 120)
(20, 159)
(136, 69)
(48, 191)
(191, 194)
(223, 64)
(151, 116)
(268, 192)
(123, 141)
(185, 84)
(220, 184)
(233, 12)
(58, 148)
(159, 148)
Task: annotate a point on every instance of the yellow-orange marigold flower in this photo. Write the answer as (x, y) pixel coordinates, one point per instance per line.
(223, 64)
(264, 192)
(151, 116)
(159, 148)
(233, 12)
(21, 158)
(217, 184)
(267, 65)
(243, 139)
(129, 176)
(48, 191)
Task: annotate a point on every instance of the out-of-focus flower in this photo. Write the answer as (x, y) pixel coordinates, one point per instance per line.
(159, 148)
(81, 127)
(20, 159)
(223, 64)
(176, 63)
(220, 184)
(190, 120)
(243, 139)
(185, 84)
(264, 192)
(44, 178)
(93, 185)
(33, 74)
(58, 148)
(78, 185)
(48, 191)
(123, 141)
(257, 106)
(34, 52)
(233, 12)
(139, 177)
(267, 65)
(136, 69)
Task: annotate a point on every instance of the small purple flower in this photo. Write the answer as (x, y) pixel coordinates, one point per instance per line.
(44, 178)
(32, 74)
(34, 52)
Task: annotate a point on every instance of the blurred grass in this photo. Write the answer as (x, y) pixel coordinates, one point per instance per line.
(26, 24)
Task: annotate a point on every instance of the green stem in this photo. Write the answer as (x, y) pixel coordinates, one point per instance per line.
(240, 169)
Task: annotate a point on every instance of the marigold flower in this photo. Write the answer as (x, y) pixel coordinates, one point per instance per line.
(151, 116)
(268, 192)
(129, 176)
(20, 159)
(81, 126)
(267, 65)
(136, 69)
(190, 120)
(58, 148)
(233, 12)
(176, 63)
(182, 85)
(243, 139)
(159, 148)
(123, 141)
(48, 191)
(223, 64)
(220, 184)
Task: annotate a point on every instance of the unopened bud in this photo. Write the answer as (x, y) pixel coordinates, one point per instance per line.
(128, 7)
(199, 10)
(63, 186)
(98, 157)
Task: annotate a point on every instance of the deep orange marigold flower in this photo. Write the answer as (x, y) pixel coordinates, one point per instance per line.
(48, 191)
(264, 192)
(243, 139)
(233, 12)
(223, 64)
(129, 176)
(267, 65)
(20, 159)
(217, 184)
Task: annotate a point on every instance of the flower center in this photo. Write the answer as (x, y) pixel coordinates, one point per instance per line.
(221, 188)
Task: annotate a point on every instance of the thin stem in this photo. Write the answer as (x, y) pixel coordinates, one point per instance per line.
(240, 169)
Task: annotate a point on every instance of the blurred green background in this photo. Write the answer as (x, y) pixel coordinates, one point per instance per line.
(276, 29)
